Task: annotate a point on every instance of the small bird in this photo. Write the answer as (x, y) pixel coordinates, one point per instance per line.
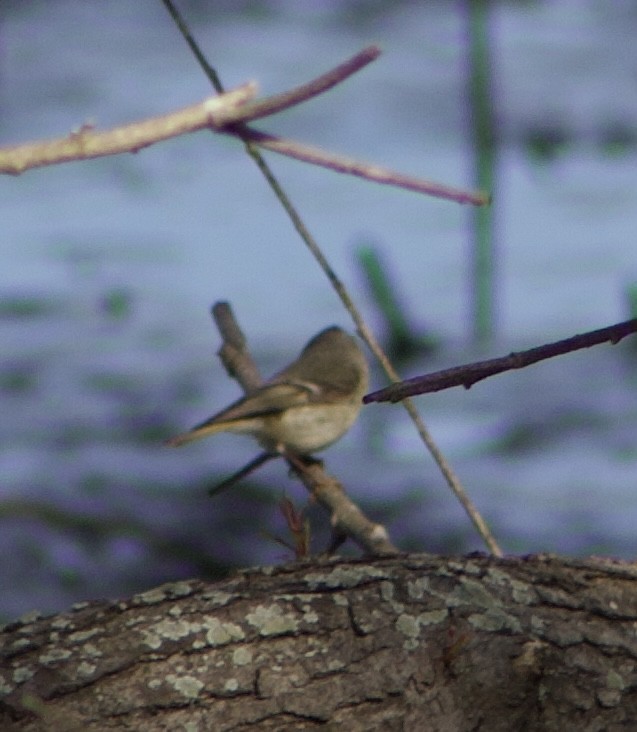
(304, 408)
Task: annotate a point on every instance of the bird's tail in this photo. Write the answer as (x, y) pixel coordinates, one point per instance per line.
(196, 433)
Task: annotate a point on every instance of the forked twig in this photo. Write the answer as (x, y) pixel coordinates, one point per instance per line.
(228, 114)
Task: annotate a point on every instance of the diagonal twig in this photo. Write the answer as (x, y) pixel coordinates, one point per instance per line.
(86, 143)
(297, 95)
(470, 373)
(365, 332)
(368, 171)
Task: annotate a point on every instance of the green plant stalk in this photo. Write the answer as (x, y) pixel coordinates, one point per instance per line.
(483, 137)
(383, 293)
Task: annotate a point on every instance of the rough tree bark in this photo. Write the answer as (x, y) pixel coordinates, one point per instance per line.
(402, 643)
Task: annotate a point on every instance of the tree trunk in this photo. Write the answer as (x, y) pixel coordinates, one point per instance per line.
(402, 643)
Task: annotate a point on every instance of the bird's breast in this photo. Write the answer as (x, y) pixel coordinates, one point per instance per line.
(309, 428)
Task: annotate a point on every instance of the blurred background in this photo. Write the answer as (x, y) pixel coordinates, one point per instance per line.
(108, 269)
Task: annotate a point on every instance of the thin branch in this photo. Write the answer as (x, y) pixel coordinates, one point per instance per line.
(86, 143)
(470, 373)
(297, 95)
(368, 171)
(346, 517)
(365, 332)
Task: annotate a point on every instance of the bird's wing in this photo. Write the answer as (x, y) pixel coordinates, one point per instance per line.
(272, 398)
(268, 399)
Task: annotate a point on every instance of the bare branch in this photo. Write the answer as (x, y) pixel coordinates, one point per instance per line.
(470, 373)
(279, 102)
(227, 113)
(368, 171)
(86, 143)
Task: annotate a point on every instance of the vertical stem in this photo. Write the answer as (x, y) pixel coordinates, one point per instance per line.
(484, 148)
